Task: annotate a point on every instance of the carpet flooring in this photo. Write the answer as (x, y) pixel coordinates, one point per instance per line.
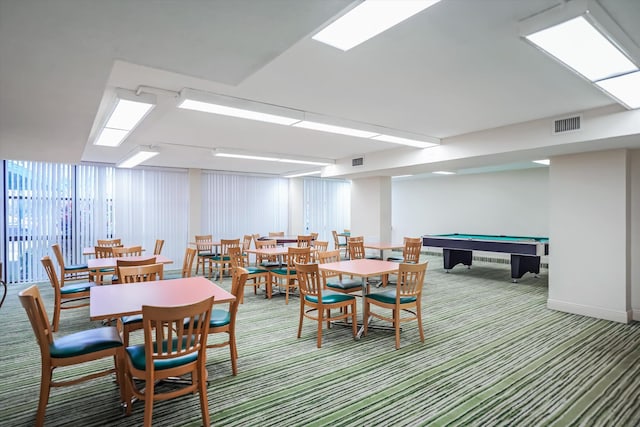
(493, 355)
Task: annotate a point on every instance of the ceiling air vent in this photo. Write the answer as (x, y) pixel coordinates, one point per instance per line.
(357, 162)
(567, 124)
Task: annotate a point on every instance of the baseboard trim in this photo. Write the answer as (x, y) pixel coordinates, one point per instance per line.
(591, 311)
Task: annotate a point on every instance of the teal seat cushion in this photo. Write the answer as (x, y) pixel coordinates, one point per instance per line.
(344, 284)
(127, 320)
(85, 342)
(389, 297)
(221, 258)
(271, 264)
(76, 267)
(283, 271)
(256, 270)
(206, 254)
(219, 318)
(76, 287)
(137, 354)
(330, 297)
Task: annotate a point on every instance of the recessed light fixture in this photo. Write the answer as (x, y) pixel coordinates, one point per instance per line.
(220, 152)
(367, 20)
(584, 38)
(400, 176)
(139, 155)
(444, 173)
(334, 129)
(127, 111)
(404, 141)
(545, 162)
(296, 175)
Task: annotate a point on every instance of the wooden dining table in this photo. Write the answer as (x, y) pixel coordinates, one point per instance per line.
(103, 263)
(363, 268)
(381, 246)
(91, 250)
(112, 301)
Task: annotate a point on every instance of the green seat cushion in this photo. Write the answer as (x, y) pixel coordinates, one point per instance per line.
(76, 287)
(219, 318)
(283, 271)
(270, 264)
(256, 270)
(344, 284)
(330, 297)
(85, 342)
(127, 320)
(389, 297)
(206, 254)
(221, 258)
(76, 267)
(137, 354)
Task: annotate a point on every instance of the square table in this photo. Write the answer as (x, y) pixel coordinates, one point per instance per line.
(384, 247)
(111, 301)
(362, 268)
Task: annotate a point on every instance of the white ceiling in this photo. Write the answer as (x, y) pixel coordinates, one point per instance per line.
(456, 70)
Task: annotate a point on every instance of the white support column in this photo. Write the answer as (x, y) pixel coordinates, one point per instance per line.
(371, 208)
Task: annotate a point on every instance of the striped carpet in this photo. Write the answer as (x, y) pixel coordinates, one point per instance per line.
(493, 356)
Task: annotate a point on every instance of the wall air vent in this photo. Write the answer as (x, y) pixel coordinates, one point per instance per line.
(357, 162)
(567, 124)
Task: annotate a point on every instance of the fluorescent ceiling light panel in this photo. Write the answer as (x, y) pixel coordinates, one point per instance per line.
(624, 88)
(401, 176)
(444, 173)
(303, 162)
(335, 129)
(127, 113)
(139, 155)
(545, 162)
(367, 20)
(270, 158)
(247, 157)
(223, 110)
(404, 141)
(296, 175)
(580, 46)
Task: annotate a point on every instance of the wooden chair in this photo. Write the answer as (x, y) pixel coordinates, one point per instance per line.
(266, 261)
(356, 248)
(124, 262)
(314, 236)
(136, 274)
(276, 234)
(410, 251)
(71, 296)
(256, 276)
(205, 251)
(335, 281)
(72, 349)
(246, 245)
(337, 245)
(316, 302)
(175, 344)
(103, 252)
(305, 241)
(158, 247)
(286, 276)
(405, 298)
(222, 262)
(318, 246)
(187, 265)
(70, 272)
(224, 321)
(121, 251)
(109, 242)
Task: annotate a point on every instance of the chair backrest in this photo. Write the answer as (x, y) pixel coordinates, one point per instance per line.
(410, 280)
(238, 281)
(34, 306)
(298, 255)
(109, 242)
(263, 244)
(187, 264)
(356, 248)
(225, 244)
(309, 280)
(321, 246)
(184, 329)
(120, 251)
(47, 263)
(246, 242)
(304, 241)
(314, 236)
(59, 257)
(411, 250)
(255, 236)
(133, 263)
(203, 243)
(141, 273)
(104, 251)
(325, 258)
(158, 247)
(276, 234)
(236, 258)
(336, 239)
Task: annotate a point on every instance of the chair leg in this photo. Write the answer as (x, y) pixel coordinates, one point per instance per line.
(365, 316)
(396, 324)
(202, 391)
(354, 319)
(419, 318)
(148, 400)
(234, 353)
(56, 312)
(320, 319)
(301, 317)
(45, 387)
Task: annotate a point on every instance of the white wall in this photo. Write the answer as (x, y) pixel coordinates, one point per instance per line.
(589, 223)
(510, 203)
(371, 208)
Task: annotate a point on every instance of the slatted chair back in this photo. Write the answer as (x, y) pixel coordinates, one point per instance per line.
(410, 280)
(187, 264)
(158, 246)
(411, 250)
(356, 248)
(104, 251)
(204, 249)
(121, 251)
(109, 242)
(141, 273)
(276, 234)
(304, 241)
(264, 244)
(123, 262)
(297, 255)
(321, 245)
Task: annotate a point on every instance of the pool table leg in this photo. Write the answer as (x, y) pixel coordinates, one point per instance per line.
(453, 257)
(521, 264)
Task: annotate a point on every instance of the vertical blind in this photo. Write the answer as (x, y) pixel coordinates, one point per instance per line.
(234, 205)
(327, 206)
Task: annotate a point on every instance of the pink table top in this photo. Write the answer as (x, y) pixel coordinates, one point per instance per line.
(109, 301)
(384, 246)
(280, 250)
(98, 263)
(361, 267)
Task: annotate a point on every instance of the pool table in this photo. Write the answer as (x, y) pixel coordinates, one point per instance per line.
(457, 249)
